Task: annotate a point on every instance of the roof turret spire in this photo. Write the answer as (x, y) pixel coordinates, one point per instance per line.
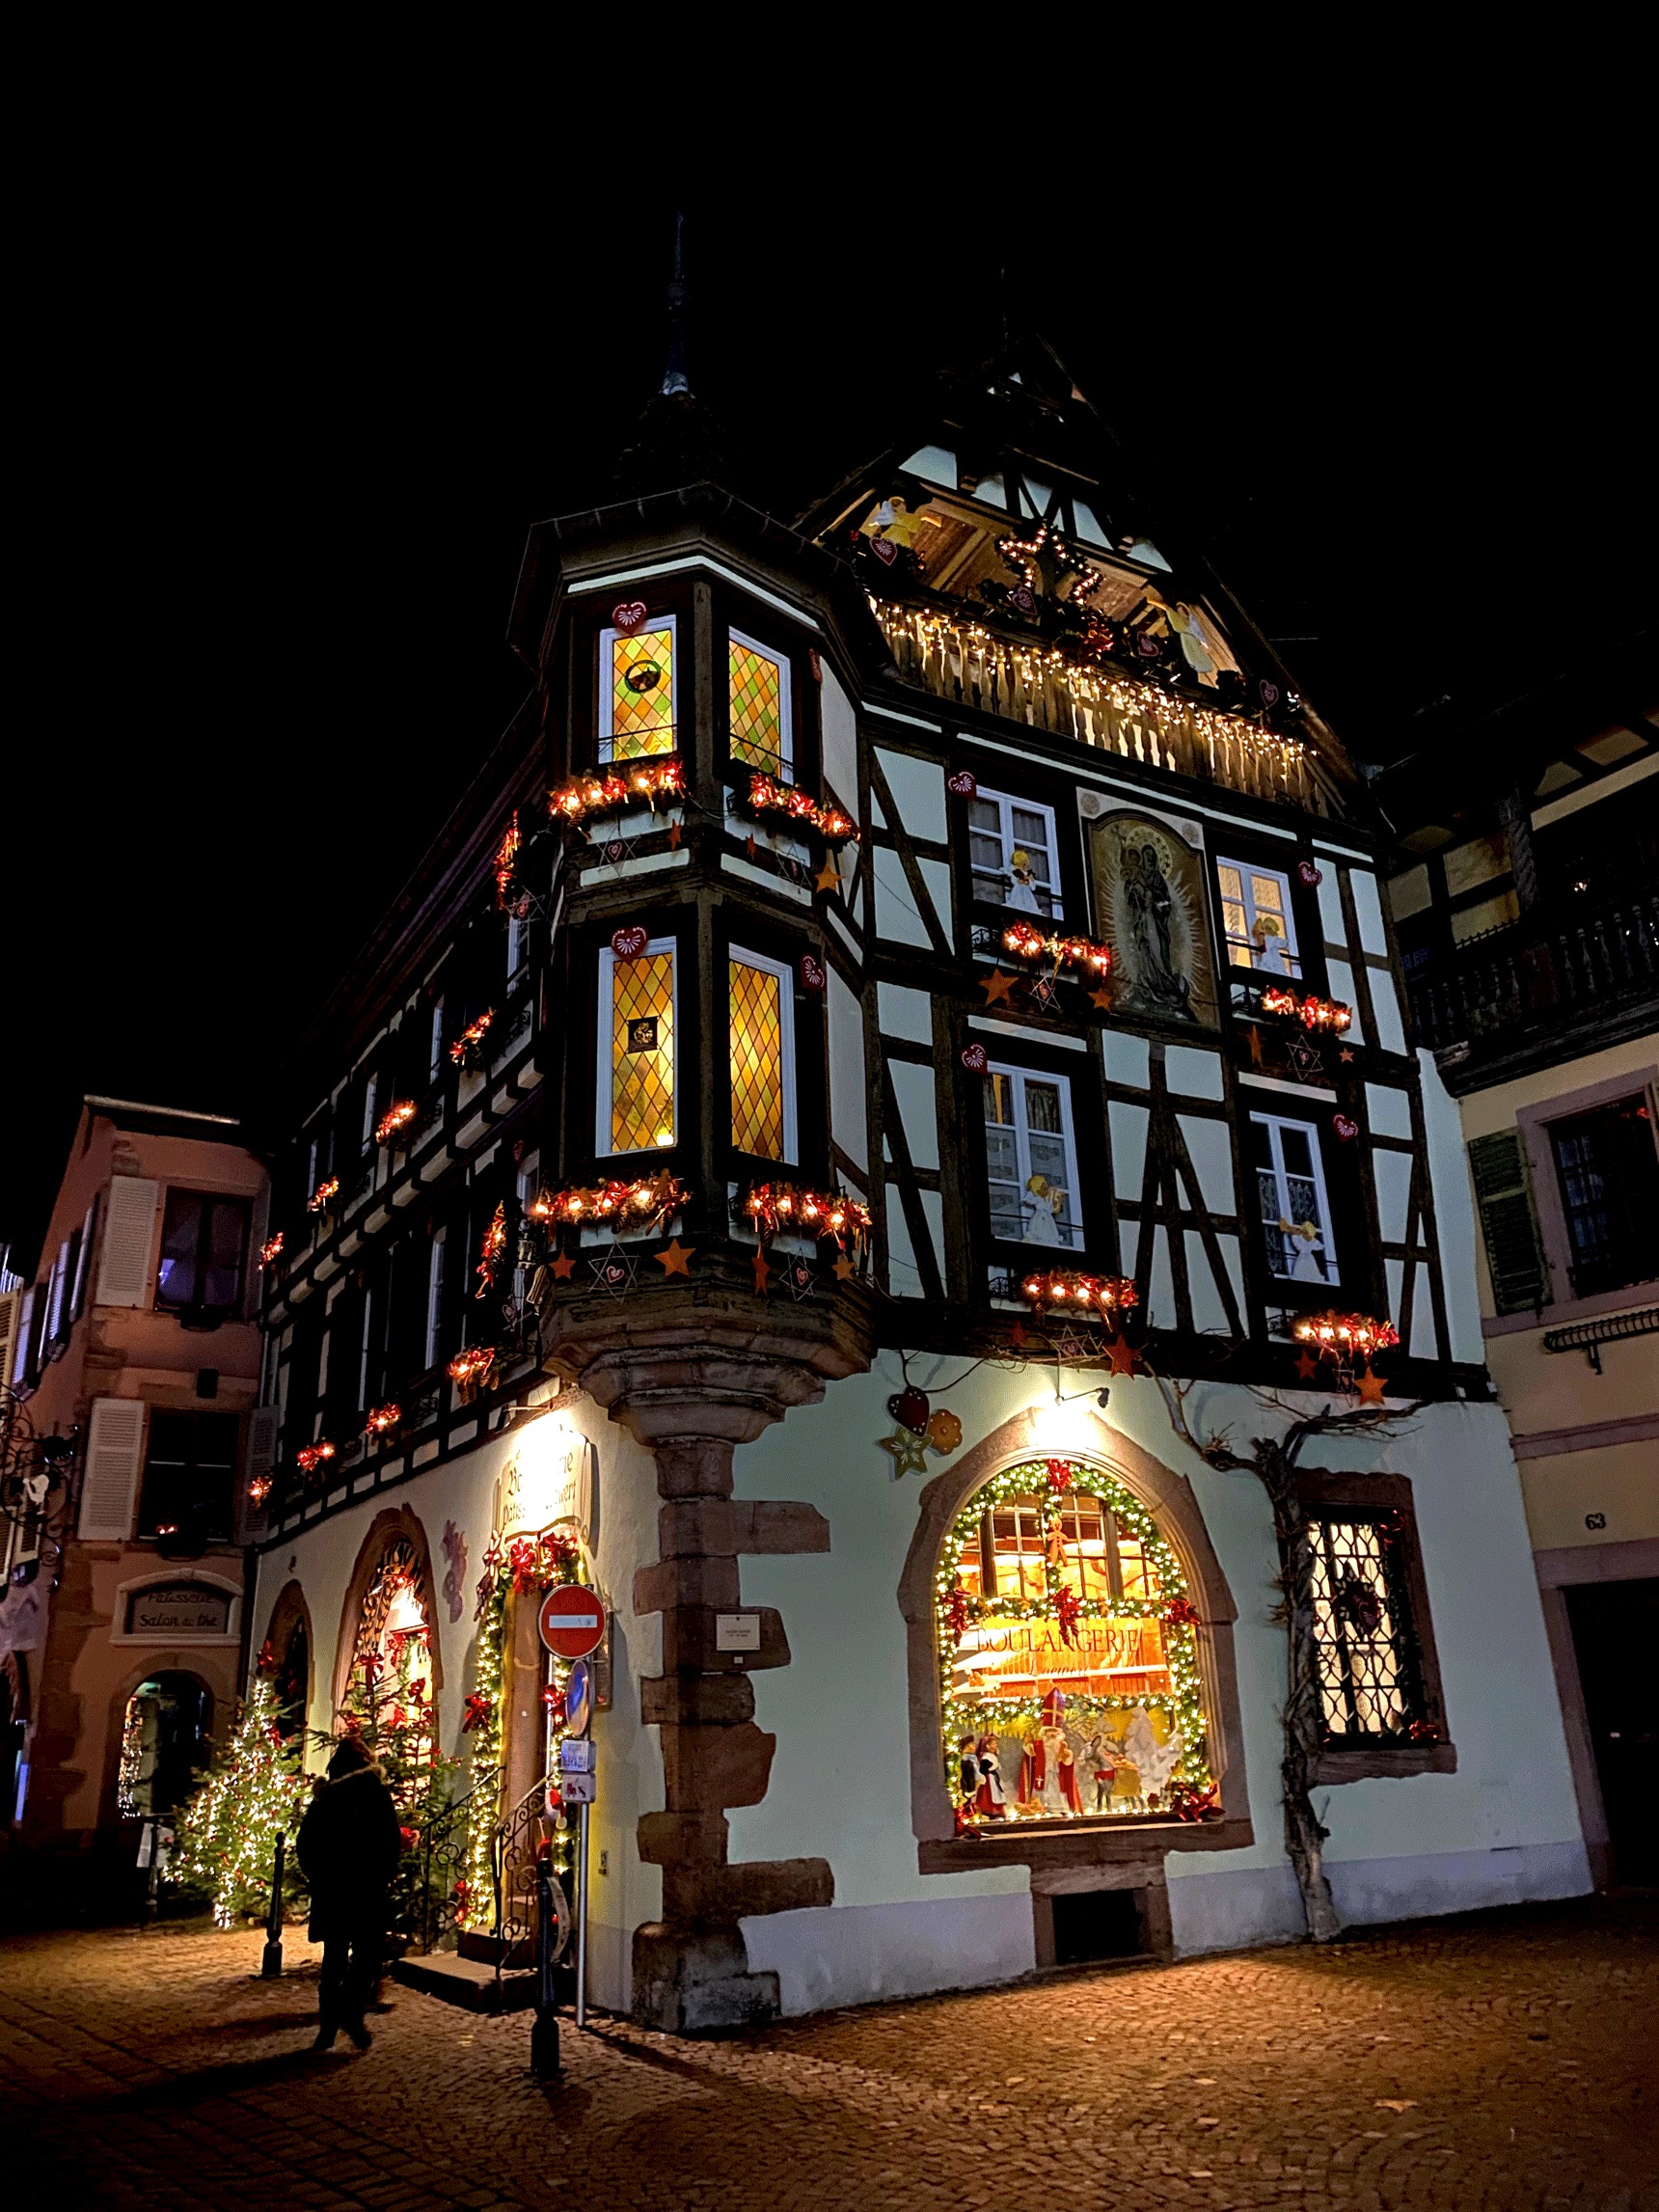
(675, 382)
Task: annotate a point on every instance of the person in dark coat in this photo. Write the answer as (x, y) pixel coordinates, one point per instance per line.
(348, 1847)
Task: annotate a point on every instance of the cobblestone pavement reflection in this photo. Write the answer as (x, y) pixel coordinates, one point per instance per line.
(1505, 2060)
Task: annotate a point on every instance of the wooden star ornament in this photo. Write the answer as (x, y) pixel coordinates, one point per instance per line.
(1307, 1366)
(1102, 998)
(828, 877)
(998, 987)
(1370, 1388)
(1122, 1355)
(675, 1260)
(908, 1452)
(762, 1269)
(844, 1269)
(563, 1267)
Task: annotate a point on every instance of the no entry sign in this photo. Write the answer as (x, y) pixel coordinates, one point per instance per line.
(572, 1622)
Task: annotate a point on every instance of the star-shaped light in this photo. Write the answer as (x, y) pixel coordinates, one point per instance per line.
(563, 1267)
(828, 877)
(762, 1269)
(909, 1453)
(675, 1260)
(997, 986)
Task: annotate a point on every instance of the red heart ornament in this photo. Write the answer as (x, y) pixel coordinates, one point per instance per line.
(964, 785)
(975, 1059)
(910, 1409)
(1346, 1127)
(628, 944)
(1309, 874)
(885, 551)
(1269, 692)
(812, 973)
(629, 616)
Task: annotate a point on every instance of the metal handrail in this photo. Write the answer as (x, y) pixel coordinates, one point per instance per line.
(514, 1879)
(1588, 1336)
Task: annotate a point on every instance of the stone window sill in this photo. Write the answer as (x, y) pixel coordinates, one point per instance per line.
(1369, 1763)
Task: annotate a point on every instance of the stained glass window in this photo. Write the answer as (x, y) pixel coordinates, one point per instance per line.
(758, 688)
(1255, 915)
(636, 688)
(762, 1102)
(1069, 1672)
(637, 1058)
(1368, 1678)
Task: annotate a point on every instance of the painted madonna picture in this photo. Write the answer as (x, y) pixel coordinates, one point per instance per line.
(1149, 899)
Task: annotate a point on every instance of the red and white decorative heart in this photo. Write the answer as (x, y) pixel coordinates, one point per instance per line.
(629, 616)
(1307, 873)
(885, 551)
(628, 944)
(1346, 1127)
(812, 975)
(1269, 692)
(975, 1059)
(964, 785)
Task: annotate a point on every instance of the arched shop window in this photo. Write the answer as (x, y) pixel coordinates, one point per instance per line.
(163, 1744)
(1068, 1658)
(389, 1687)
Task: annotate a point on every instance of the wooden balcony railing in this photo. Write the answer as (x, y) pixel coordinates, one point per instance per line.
(968, 665)
(1539, 973)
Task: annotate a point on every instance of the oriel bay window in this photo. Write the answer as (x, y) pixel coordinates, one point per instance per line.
(1031, 1158)
(762, 1040)
(1291, 1193)
(636, 1104)
(637, 674)
(758, 703)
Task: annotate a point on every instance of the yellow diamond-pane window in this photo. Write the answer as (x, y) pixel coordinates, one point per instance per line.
(756, 685)
(643, 1052)
(756, 1062)
(642, 694)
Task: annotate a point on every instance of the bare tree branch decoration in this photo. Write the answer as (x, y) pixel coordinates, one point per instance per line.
(1273, 1461)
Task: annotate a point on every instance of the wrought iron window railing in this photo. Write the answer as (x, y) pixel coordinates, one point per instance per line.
(1531, 976)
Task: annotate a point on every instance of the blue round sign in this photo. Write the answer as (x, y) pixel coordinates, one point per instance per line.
(579, 1699)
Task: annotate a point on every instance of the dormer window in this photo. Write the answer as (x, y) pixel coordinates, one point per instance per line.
(637, 691)
(759, 697)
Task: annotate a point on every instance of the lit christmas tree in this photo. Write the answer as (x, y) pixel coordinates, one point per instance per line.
(227, 1833)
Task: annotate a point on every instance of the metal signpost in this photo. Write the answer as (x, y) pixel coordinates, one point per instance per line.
(572, 1623)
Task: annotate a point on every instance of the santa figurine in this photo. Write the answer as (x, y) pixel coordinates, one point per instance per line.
(991, 1800)
(1052, 1781)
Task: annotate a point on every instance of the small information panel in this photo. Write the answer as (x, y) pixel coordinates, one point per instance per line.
(578, 1757)
(737, 1631)
(579, 1789)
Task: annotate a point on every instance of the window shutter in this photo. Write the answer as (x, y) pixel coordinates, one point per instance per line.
(23, 1329)
(83, 1264)
(124, 1270)
(9, 1301)
(260, 1456)
(1503, 1193)
(115, 1447)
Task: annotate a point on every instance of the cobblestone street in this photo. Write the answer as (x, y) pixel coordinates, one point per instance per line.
(1505, 2060)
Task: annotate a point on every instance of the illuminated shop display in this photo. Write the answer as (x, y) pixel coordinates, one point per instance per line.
(1068, 1665)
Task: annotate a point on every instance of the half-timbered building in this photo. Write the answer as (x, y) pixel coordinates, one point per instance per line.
(899, 1053)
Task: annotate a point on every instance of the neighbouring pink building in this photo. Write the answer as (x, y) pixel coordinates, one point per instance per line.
(130, 1381)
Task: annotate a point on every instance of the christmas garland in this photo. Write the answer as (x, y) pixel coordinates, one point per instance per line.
(395, 1119)
(646, 1203)
(1050, 1483)
(1027, 942)
(1313, 1012)
(776, 1206)
(767, 795)
(650, 781)
(1071, 1292)
(464, 1049)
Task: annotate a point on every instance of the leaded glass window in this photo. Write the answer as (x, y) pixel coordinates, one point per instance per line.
(1291, 1192)
(635, 1089)
(758, 690)
(1068, 1670)
(636, 691)
(1031, 1159)
(762, 1051)
(1259, 928)
(1368, 1679)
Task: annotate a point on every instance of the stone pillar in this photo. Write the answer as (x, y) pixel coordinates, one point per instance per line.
(692, 1389)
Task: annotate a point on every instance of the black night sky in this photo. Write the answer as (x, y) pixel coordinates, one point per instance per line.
(276, 494)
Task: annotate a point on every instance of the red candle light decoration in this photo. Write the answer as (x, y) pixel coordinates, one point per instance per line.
(470, 1037)
(1314, 1012)
(1027, 942)
(470, 1369)
(493, 1250)
(382, 1420)
(271, 1250)
(767, 795)
(507, 860)
(647, 783)
(395, 1118)
(652, 1199)
(312, 1457)
(259, 1490)
(1346, 1335)
(776, 1206)
(1063, 1292)
(323, 1195)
